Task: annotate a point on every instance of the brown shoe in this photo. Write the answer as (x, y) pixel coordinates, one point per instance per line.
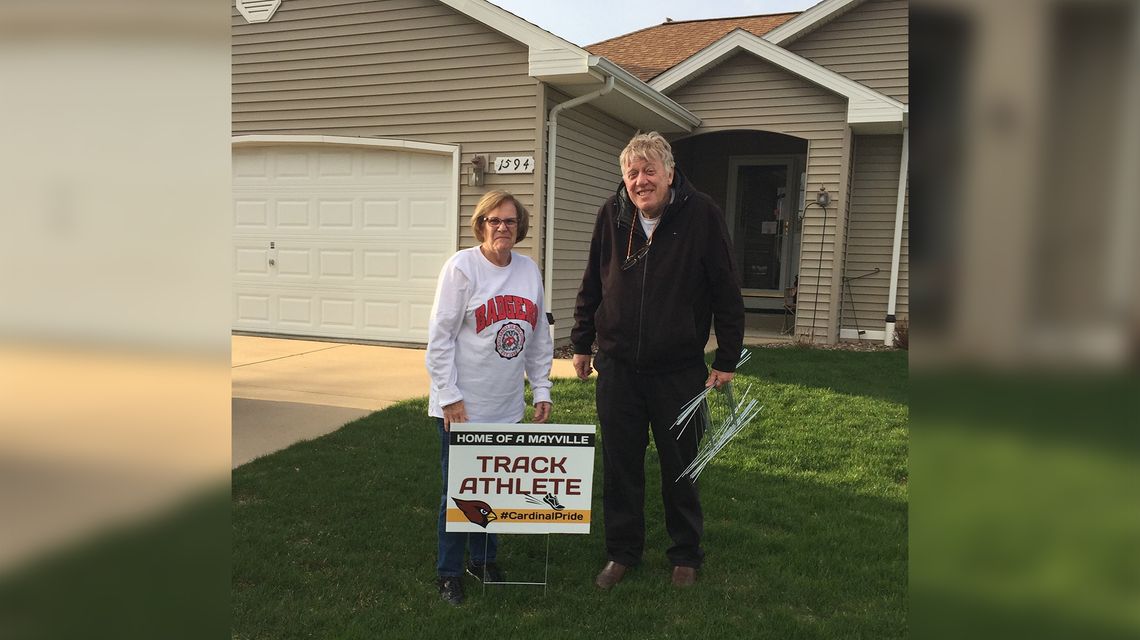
(611, 574)
(684, 576)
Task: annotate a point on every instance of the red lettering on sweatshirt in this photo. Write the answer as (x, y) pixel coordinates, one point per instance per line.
(505, 308)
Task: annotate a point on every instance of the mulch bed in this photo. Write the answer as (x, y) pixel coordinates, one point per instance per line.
(851, 345)
(567, 352)
(564, 353)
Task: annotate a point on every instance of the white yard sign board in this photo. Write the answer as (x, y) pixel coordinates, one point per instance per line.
(520, 478)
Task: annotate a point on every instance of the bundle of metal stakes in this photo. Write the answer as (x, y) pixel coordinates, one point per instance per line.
(721, 415)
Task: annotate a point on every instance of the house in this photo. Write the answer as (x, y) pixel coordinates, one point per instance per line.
(364, 134)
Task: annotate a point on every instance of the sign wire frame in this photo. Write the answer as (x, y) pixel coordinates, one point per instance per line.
(545, 569)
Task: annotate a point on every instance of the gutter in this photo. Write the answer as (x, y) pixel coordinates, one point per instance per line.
(551, 152)
(646, 95)
(896, 247)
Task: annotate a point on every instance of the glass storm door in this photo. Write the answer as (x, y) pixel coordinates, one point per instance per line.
(760, 224)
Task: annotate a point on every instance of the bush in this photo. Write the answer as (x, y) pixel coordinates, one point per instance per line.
(902, 334)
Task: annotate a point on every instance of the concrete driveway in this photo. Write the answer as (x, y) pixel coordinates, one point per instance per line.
(285, 391)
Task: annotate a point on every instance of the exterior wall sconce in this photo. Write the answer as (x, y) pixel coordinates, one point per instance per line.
(823, 198)
(478, 168)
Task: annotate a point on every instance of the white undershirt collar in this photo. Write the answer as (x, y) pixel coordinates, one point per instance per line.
(649, 224)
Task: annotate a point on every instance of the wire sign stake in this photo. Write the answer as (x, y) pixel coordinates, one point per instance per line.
(720, 418)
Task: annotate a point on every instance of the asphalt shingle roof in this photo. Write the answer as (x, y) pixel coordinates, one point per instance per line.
(654, 50)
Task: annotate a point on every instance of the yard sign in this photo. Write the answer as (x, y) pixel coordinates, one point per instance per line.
(520, 478)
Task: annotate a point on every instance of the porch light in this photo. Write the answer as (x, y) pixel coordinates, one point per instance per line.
(823, 198)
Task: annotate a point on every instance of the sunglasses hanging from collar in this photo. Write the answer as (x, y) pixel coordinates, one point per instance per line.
(632, 259)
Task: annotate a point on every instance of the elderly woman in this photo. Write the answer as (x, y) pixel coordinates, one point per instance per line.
(487, 329)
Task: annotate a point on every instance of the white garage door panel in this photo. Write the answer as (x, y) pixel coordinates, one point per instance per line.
(370, 316)
(343, 242)
(381, 266)
(420, 314)
(295, 311)
(381, 316)
(300, 261)
(253, 309)
(251, 214)
(349, 212)
(294, 264)
(251, 262)
(308, 165)
(291, 215)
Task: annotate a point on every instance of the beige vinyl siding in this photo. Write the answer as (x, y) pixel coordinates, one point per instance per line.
(746, 93)
(587, 173)
(868, 44)
(874, 196)
(395, 69)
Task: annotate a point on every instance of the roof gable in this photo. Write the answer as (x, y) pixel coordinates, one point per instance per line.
(575, 71)
(549, 54)
(810, 20)
(867, 109)
(649, 52)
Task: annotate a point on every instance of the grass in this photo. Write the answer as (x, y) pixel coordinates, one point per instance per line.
(806, 527)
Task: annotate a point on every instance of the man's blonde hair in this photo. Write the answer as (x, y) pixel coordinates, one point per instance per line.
(650, 146)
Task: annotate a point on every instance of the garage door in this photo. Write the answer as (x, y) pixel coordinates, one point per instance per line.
(340, 241)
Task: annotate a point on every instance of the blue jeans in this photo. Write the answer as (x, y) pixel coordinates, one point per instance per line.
(484, 547)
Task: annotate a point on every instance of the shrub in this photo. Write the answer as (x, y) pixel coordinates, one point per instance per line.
(902, 334)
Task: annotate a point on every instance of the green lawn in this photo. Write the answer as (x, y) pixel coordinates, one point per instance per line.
(806, 527)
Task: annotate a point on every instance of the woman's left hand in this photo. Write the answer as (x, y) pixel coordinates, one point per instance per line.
(542, 411)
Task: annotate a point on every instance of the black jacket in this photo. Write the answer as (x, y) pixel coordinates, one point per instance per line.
(656, 316)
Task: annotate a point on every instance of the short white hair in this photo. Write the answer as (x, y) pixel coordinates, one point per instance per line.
(647, 146)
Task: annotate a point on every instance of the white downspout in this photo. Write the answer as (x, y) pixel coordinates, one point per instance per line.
(551, 149)
(896, 248)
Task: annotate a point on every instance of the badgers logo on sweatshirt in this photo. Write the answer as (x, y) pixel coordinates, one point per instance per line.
(509, 340)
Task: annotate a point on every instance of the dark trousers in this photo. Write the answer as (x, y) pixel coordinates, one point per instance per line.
(629, 405)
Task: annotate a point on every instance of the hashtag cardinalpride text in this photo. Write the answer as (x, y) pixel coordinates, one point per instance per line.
(571, 516)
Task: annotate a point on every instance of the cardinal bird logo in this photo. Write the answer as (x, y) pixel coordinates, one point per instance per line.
(476, 511)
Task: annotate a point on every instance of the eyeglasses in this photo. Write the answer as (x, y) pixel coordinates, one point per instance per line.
(633, 258)
(495, 222)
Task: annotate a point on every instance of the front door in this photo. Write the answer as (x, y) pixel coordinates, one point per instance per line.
(762, 221)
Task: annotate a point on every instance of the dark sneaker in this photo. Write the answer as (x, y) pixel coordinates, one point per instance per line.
(485, 572)
(451, 589)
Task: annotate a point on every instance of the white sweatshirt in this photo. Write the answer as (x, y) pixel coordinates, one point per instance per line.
(487, 328)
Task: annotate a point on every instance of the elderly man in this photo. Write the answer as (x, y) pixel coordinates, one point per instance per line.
(660, 273)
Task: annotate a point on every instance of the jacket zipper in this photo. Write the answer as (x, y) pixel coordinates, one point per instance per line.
(641, 310)
(644, 279)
